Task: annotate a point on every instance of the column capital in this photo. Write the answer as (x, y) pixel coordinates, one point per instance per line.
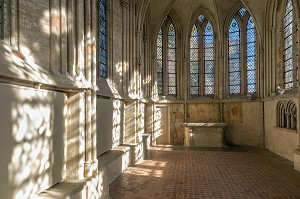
(124, 3)
(273, 29)
(145, 38)
(138, 32)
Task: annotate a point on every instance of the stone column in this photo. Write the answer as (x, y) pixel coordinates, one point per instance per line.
(125, 78)
(297, 151)
(138, 35)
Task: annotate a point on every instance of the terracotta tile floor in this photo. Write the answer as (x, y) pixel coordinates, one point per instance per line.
(208, 173)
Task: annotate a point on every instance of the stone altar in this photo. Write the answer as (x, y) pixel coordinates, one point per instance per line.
(204, 134)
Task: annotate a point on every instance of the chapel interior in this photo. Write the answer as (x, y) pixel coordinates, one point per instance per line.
(87, 87)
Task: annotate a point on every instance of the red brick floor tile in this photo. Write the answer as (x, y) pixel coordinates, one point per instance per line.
(206, 173)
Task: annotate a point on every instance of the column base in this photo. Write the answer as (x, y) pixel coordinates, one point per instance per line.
(90, 168)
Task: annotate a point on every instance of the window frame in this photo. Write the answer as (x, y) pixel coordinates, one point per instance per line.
(242, 21)
(101, 73)
(294, 47)
(201, 25)
(165, 70)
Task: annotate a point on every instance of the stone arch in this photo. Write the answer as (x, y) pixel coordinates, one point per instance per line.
(210, 18)
(277, 13)
(291, 115)
(242, 23)
(281, 119)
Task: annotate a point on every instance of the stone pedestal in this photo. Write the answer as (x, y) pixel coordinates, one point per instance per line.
(297, 159)
(204, 134)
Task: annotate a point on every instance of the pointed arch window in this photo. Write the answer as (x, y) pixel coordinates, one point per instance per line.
(202, 62)
(166, 59)
(289, 69)
(242, 54)
(234, 54)
(103, 38)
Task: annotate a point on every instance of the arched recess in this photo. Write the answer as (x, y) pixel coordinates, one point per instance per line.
(211, 19)
(258, 53)
(276, 16)
(291, 115)
(174, 20)
(281, 119)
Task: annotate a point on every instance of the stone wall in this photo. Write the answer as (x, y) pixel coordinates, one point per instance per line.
(279, 140)
(32, 140)
(245, 123)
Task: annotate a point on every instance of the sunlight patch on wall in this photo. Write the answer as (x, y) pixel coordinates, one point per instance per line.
(132, 87)
(113, 89)
(157, 122)
(23, 64)
(141, 121)
(116, 131)
(32, 157)
(45, 22)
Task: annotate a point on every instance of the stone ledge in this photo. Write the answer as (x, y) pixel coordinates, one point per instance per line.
(136, 152)
(115, 162)
(205, 125)
(73, 188)
(286, 129)
(110, 156)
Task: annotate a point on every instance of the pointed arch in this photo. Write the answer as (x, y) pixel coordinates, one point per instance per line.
(281, 119)
(283, 60)
(234, 57)
(171, 60)
(202, 40)
(241, 53)
(291, 115)
(209, 59)
(167, 58)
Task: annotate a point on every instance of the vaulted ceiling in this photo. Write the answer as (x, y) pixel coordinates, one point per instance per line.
(219, 10)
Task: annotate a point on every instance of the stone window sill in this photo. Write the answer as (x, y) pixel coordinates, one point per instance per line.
(286, 129)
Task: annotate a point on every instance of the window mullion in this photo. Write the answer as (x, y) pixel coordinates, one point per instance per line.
(201, 61)
(243, 59)
(165, 60)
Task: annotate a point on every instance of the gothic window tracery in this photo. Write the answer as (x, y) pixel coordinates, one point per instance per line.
(242, 54)
(202, 79)
(166, 59)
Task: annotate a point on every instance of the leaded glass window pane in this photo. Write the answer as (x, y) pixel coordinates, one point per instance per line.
(159, 57)
(171, 57)
(194, 80)
(242, 12)
(201, 18)
(103, 38)
(288, 45)
(208, 49)
(166, 59)
(251, 56)
(194, 66)
(234, 57)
